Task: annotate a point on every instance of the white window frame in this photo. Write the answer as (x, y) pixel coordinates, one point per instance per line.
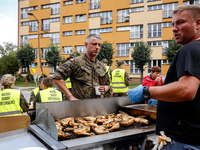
(80, 49)
(81, 18)
(67, 49)
(68, 19)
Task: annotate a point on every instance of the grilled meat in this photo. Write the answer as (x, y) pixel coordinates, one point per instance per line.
(100, 129)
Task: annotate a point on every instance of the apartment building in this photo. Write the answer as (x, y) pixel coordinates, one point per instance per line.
(122, 23)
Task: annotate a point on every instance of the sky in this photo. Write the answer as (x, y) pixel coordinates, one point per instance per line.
(8, 21)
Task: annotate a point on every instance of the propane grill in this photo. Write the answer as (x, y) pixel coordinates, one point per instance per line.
(123, 138)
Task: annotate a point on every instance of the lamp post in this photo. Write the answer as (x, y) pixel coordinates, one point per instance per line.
(31, 14)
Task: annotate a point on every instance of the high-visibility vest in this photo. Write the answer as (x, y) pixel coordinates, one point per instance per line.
(68, 83)
(108, 71)
(50, 95)
(35, 91)
(118, 81)
(10, 102)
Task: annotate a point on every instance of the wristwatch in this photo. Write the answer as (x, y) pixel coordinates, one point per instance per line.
(146, 93)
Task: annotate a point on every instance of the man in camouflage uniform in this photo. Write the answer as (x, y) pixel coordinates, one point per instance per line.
(9, 98)
(85, 73)
(35, 91)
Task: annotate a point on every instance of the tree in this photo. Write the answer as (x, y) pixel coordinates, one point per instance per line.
(106, 52)
(172, 50)
(26, 55)
(141, 55)
(7, 48)
(52, 56)
(9, 64)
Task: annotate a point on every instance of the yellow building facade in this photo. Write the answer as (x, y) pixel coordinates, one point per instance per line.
(122, 23)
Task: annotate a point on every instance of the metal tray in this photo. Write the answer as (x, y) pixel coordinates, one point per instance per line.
(140, 109)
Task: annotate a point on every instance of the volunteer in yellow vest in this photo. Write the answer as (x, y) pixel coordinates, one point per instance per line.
(109, 70)
(48, 94)
(12, 101)
(35, 91)
(120, 80)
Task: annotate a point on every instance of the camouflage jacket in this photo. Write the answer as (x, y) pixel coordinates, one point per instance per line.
(84, 75)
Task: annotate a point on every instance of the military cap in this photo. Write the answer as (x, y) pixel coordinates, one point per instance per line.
(72, 56)
(104, 61)
(120, 62)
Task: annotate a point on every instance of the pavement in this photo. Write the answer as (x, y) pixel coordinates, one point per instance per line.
(26, 91)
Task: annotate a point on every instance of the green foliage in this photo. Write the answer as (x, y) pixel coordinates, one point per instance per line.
(20, 78)
(9, 64)
(106, 52)
(172, 50)
(52, 56)
(7, 48)
(26, 55)
(141, 55)
(29, 80)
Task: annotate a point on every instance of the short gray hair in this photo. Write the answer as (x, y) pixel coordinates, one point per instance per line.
(92, 35)
(194, 11)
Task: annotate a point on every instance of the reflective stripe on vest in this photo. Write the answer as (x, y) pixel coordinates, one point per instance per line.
(36, 90)
(68, 83)
(118, 81)
(108, 71)
(50, 95)
(10, 102)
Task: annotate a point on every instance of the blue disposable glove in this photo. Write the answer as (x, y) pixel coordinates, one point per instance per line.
(152, 102)
(136, 94)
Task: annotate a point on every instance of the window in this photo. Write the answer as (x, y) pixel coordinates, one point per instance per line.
(168, 8)
(24, 11)
(133, 69)
(80, 18)
(94, 4)
(24, 70)
(46, 23)
(152, 0)
(123, 15)
(155, 7)
(55, 37)
(44, 64)
(68, 2)
(25, 38)
(67, 33)
(122, 49)
(98, 31)
(154, 30)
(79, 32)
(52, 69)
(95, 15)
(44, 50)
(68, 19)
(125, 28)
(136, 32)
(136, 1)
(80, 49)
(106, 17)
(33, 25)
(67, 50)
(55, 8)
(194, 2)
(80, 1)
(35, 50)
(154, 63)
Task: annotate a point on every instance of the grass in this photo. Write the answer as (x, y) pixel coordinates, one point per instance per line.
(133, 85)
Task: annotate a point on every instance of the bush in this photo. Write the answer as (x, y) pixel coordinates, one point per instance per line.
(27, 77)
(20, 78)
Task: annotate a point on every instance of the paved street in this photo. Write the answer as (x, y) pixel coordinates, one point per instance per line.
(26, 91)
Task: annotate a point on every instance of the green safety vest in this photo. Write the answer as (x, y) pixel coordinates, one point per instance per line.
(118, 81)
(107, 70)
(35, 91)
(68, 83)
(10, 102)
(50, 95)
